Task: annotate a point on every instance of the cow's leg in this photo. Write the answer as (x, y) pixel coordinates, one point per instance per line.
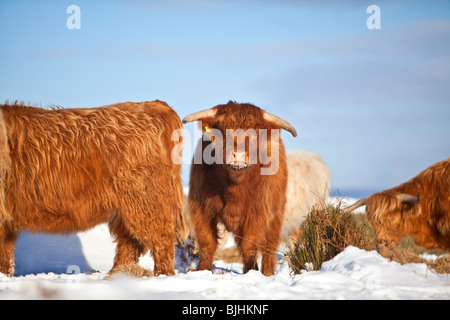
(162, 248)
(157, 232)
(249, 252)
(206, 235)
(269, 261)
(247, 244)
(149, 225)
(145, 220)
(268, 249)
(207, 244)
(270, 244)
(128, 249)
(132, 244)
(252, 239)
(7, 245)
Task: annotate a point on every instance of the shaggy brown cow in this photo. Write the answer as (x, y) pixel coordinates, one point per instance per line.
(419, 208)
(67, 170)
(243, 188)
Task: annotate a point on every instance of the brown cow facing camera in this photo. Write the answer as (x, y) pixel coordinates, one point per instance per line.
(239, 178)
(67, 170)
(419, 208)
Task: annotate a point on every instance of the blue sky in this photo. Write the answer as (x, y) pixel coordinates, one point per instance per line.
(375, 104)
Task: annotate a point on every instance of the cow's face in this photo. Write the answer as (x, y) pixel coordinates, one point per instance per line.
(393, 216)
(239, 150)
(240, 138)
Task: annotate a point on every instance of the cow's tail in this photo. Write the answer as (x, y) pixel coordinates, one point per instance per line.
(5, 165)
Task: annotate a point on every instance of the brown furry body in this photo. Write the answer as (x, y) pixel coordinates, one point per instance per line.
(427, 221)
(67, 170)
(248, 204)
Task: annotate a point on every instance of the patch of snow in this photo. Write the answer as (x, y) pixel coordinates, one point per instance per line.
(353, 274)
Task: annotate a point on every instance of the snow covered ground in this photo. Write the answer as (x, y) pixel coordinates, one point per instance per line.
(44, 263)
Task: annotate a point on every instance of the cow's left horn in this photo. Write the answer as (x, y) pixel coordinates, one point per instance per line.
(404, 197)
(356, 205)
(208, 113)
(282, 123)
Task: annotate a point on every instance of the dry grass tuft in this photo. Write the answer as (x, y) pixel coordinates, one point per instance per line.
(440, 265)
(409, 254)
(325, 233)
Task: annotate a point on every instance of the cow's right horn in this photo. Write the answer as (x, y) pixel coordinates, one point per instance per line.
(281, 122)
(208, 113)
(407, 198)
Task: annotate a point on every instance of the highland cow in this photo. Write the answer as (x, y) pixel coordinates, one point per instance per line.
(419, 208)
(240, 182)
(67, 170)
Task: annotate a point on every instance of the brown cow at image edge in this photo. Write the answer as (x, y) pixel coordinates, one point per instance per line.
(67, 170)
(419, 208)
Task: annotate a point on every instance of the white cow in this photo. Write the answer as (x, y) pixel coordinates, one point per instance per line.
(308, 186)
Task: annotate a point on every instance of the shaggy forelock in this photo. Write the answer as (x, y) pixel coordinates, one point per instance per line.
(380, 205)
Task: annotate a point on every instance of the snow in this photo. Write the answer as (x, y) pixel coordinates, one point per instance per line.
(44, 263)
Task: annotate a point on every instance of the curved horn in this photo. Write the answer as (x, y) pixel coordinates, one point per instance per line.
(199, 115)
(356, 205)
(282, 123)
(404, 197)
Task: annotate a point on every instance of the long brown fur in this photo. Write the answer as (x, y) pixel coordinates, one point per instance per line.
(427, 221)
(248, 204)
(67, 170)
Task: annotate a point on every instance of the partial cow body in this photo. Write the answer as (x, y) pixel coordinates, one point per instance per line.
(419, 208)
(67, 170)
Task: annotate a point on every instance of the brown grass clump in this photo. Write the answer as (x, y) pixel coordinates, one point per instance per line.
(407, 252)
(325, 233)
(440, 265)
